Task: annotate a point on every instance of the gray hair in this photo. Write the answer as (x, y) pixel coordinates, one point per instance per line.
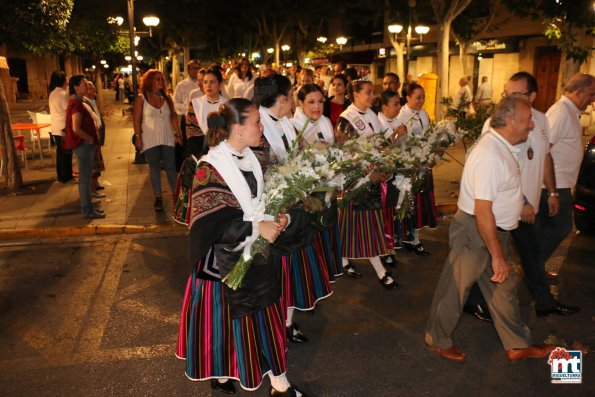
(579, 81)
(505, 108)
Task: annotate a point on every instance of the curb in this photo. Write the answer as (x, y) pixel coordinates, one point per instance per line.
(22, 233)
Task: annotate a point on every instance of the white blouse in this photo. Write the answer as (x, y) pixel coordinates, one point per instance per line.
(156, 126)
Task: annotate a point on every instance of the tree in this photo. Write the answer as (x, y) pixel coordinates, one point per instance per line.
(571, 24)
(470, 25)
(445, 11)
(27, 24)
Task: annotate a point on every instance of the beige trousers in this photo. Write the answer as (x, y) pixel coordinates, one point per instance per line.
(468, 262)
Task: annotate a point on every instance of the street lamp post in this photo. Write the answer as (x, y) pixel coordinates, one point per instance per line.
(131, 32)
(394, 30)
(150, 22)
(341, 41)
(285, 48)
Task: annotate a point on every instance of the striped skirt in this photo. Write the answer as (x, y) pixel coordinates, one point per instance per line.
(425, 210)
(216, 346)
(181, 206)
(328, 244)
(362, 233)
(305, 279)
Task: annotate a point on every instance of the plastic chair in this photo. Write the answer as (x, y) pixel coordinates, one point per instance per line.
(19, 145)
(44, 133)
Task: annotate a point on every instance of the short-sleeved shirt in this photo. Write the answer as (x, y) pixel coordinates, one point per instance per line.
(532, 169)
(565, 136)
(75, 105)
(492, 173)
(58, 102)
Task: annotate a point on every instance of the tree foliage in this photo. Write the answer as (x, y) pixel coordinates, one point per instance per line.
(34, 25)
(564, 21)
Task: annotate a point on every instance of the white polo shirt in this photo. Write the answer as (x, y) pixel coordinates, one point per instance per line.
(492, 173)
(532, 170)
(565, 136)
(182, 95)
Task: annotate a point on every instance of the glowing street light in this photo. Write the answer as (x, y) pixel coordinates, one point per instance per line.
(103, 62)
(285, 47)
(421, 30)
(322, 39)
(341, 41)
(270, 50)
(395, 28)
(128, 58)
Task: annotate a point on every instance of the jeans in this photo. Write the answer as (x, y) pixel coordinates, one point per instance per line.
(63, 161)
(554, 229)
(157, 157)
(85, 155)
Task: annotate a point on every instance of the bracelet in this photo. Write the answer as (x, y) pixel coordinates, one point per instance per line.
(553, 194)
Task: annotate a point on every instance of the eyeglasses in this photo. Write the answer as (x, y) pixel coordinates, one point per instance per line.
(504, 94)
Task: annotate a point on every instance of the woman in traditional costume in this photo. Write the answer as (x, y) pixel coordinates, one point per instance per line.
(361, 224)
(319, 129)
(226, 334)
(417, 122)
(305, 276)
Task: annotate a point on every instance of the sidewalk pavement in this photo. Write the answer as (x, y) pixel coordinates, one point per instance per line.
(128, 206)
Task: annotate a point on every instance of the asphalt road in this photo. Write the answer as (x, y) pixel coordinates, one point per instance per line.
(100, 318)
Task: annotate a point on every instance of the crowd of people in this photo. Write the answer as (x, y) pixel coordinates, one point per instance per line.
(222, 129)
(234, 132)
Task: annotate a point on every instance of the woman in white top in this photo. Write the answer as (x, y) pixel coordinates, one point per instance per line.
(417, 122)
(311, 104)
(390, 107)
(156, 129)
(275, 97)
(240, 80)
(200, 107)
(320, 129)
(58, 102)
(362, 223)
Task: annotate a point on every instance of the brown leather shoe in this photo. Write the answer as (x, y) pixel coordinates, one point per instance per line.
(452, 353)
(535, 351)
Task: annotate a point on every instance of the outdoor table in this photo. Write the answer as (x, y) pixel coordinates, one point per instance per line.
(29, 127)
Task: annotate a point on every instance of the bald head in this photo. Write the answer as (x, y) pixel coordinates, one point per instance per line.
(581, 90)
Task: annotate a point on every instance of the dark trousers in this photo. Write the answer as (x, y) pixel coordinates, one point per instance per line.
(63, 161)
(554, 229)
(528, 243)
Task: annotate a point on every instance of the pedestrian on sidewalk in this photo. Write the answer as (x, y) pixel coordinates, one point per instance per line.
(82, 137)
(58, 102)
(98, 164)
(156, 129)
(489, 208)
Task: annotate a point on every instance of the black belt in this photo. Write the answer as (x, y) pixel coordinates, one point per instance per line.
(501, 230)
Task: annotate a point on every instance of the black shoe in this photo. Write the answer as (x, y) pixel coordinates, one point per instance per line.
(158, 204)
(417, 248)
(559, 309)
(388, 284)
(225, 387)
(350, 272)
(95, 215)
(294, 335)
(290, 392)
(388, 261)
(479, 311)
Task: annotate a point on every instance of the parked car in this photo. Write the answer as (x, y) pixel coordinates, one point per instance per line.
(584, 194)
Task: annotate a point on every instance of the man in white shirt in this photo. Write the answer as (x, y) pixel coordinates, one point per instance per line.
(483, 96)
(181, 102)
(537, 169)
(567, 153)
(489, 208)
